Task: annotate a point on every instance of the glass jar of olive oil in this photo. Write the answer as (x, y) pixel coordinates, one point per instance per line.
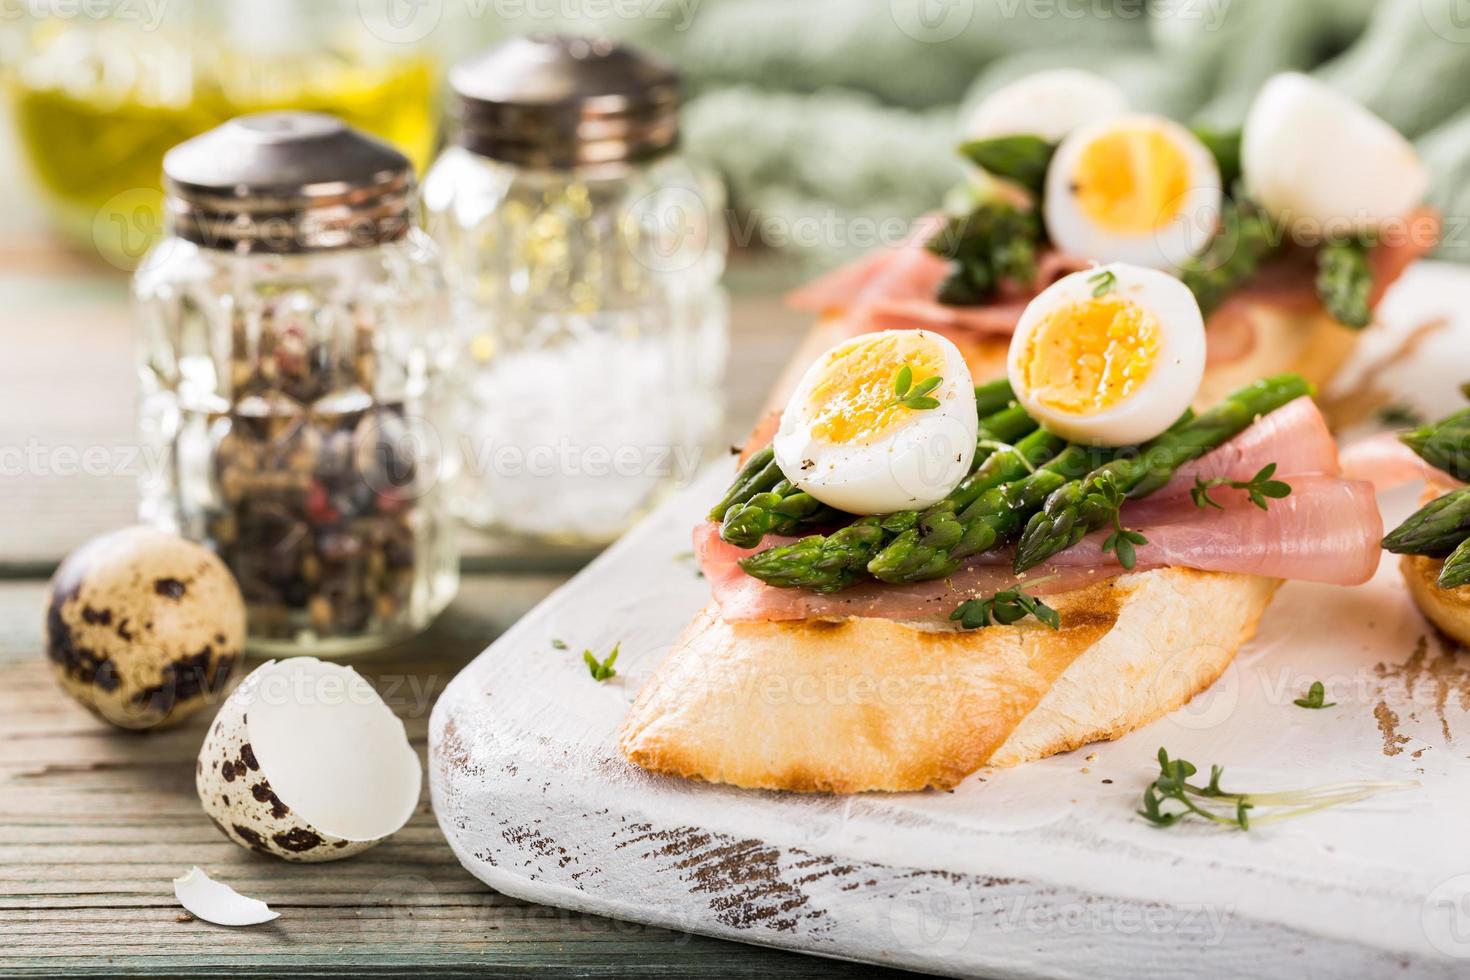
(584, 254)
(101, 91)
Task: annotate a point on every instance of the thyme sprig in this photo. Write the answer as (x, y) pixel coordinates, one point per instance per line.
(1314, 696)
(1240, 810)
(1107, 498)
(601, 670)
(1103, 283)
(1261, 489)
(1005, 608)
(915, 396)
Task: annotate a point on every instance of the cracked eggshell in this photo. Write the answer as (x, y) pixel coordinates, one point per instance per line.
(143, 627)
(304, 761)
(216, 902)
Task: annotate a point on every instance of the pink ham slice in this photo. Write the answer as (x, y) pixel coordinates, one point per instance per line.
(1386, 462)
(1328, 530)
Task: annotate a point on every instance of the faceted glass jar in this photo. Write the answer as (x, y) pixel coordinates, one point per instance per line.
(294, 406)
(594, 335)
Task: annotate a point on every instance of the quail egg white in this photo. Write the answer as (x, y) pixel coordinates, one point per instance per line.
(1139, 189)
(1316, 160)
(1049, 104)
(143, 627)
(858, 439)
(1110, 356)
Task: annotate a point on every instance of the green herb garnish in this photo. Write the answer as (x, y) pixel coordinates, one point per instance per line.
(1260, 488)
(1236, 809)
(558, 644)
(1106, 497)
(601, 670)
(1314, 697)
(1103, 283)
(1004, 608)
(915, 396)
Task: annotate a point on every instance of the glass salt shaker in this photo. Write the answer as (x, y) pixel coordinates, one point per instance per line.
(294, 357)
(584, 255)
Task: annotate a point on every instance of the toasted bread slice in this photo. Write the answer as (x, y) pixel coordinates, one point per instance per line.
(1449, 609)
(871, 704)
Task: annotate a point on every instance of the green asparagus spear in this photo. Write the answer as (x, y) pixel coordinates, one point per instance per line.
(1246, 238)
(1079, 507)
(1345, 282)
(759, 474)
(994, 243)
(1021, 159)
(1437, 528)
(1444, 444)
(993, 396)
(827, 563)
(1456, 570)
(941, 538)
(785, 508)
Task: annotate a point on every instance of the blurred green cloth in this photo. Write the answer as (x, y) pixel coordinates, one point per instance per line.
(829, 111)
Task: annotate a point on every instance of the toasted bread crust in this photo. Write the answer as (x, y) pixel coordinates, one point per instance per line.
(870, 704)
(1449, 609)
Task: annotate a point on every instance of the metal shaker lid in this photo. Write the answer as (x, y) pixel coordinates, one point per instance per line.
(562, 102)
(287, 182)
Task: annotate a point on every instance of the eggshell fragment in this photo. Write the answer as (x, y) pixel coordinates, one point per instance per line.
(306, 762)
(143, 627)
(216, 902)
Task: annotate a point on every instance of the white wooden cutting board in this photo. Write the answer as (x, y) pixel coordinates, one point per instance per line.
(1042, 871)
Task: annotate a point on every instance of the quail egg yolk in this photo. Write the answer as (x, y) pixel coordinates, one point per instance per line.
(1086, 357)
(1131, 181)
(854, 401)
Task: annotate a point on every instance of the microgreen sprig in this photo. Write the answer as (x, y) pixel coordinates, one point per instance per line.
(1107, 498)
(1260, 488)
(915, 396)
(1005, 608)
(1314, 697)
(1103, 283)
(601, 670)
(1214, 804)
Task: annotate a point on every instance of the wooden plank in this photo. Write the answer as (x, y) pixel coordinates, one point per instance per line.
(94, 823)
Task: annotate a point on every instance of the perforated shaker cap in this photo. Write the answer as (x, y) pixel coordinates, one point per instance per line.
(287, 182)
(565, 102)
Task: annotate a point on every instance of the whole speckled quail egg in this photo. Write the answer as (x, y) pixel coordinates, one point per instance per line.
(143, 627)
(306, 762)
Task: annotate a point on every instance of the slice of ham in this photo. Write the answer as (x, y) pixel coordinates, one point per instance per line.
(1295, 437)
(1328, 530)
(894, 289)
(1386, 462)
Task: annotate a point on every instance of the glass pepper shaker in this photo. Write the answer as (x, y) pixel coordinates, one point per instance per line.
(294, 356)
(584, 255)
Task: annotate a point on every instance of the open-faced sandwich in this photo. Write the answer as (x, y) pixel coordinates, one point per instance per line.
(914, 576)
(1435, 540)
(1288, 233)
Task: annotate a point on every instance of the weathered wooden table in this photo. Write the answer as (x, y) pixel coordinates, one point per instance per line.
(94, 823)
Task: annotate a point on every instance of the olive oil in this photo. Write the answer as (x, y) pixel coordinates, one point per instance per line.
(94, 128)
